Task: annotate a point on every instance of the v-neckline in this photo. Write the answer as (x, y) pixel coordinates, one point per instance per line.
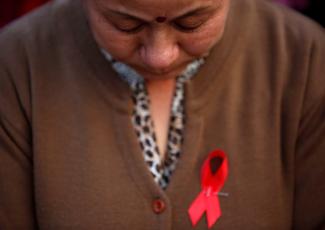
(138, 170)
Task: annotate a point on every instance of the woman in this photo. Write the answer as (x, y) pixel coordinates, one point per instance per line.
(112, 112)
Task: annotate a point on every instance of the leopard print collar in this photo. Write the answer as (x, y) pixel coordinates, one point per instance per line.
(143, 124)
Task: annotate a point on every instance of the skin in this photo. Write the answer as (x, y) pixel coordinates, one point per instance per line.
(129, 31)
(159, 51)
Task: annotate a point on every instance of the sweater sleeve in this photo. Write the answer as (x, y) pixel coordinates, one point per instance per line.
(310, 147)
(16, 164)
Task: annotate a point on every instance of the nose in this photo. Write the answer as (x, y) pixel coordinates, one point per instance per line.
(159, 51)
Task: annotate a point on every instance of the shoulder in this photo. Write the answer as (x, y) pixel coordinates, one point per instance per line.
(37, 31)
(28, 47)
(276, 33)
(270, 21)
(27, 27)
(280, 51)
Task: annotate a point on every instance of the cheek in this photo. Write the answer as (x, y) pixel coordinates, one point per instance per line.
(200, 43)
(119, 46)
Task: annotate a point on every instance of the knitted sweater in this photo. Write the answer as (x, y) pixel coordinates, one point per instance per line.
(69, 157)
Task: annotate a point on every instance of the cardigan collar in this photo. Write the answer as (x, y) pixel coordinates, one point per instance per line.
(129, 75)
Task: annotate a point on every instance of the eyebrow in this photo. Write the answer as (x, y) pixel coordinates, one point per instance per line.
(187, 14)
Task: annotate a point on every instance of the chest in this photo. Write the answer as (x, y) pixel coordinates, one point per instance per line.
(100, 180)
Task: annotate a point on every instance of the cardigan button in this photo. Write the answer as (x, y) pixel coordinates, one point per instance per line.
(158, 206)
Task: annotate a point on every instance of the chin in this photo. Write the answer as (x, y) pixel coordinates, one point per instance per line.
(163, 75)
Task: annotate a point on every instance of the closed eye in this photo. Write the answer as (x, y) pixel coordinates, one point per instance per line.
(188, 27)
(130, 29)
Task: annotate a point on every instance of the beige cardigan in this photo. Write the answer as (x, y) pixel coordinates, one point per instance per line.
(69, 158)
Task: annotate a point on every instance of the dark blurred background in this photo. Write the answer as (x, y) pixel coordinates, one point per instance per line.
(12, 9)
(314, 9)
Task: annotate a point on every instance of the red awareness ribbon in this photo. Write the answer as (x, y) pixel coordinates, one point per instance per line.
(211, 183)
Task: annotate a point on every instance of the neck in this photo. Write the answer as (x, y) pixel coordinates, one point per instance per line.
(161, 95)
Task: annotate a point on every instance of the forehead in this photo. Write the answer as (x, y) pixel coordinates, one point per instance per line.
(167, 8)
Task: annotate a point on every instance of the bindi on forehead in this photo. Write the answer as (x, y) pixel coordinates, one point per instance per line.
(161, 19)
(133, 10)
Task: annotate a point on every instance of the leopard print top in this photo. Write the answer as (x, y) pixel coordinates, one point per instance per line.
(161, 170)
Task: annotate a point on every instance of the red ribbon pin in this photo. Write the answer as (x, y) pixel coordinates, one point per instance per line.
(212, 180)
